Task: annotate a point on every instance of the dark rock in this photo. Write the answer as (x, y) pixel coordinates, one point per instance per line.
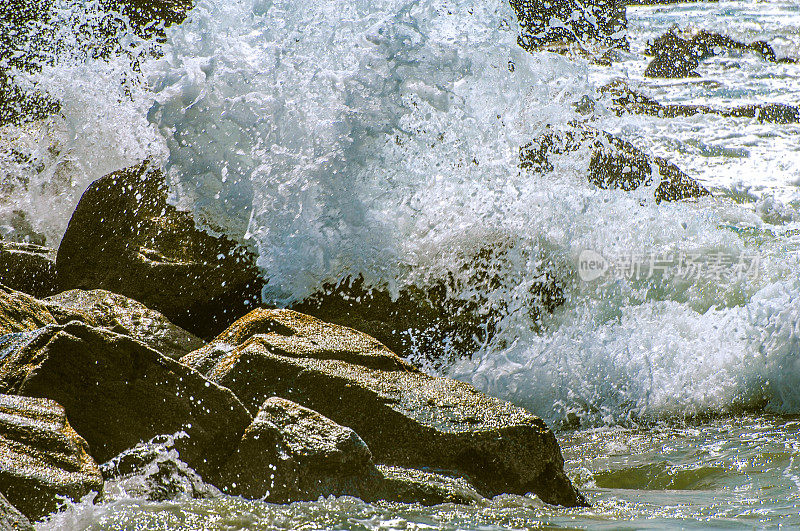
(125, 238)
(676, 56)
(125, 316)
(625, 99)
(28, 267)
(408, 485)
(291, 453)
(42, 457)
(544, 22)
(150, 17)
(153, 471)
(429, 319)
(118, 392)
(21, 37)
(406, 417)
(19, 312)
(614, 163)
(11, 519)
(778, 113)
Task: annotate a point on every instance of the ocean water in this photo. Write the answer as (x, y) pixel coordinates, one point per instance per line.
(344, 138)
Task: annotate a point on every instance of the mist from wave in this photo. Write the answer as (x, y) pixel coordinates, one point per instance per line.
(380, 140)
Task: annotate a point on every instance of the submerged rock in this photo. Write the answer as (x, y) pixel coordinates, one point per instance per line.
(544, 22)
(614, 163)
(124, 315)
(624, 99)
(11, 519)
(42, 457)
(406, 417)
(119, 392)
(408, 485)
(676, 56)
(124, 237)
(28, 267)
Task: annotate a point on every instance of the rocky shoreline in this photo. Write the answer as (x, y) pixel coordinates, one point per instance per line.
(143, 335)
(280, 406)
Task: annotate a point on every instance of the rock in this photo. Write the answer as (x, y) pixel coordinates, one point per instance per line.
(676, 56)
(407, 485)
(118, 392)
(429, 320)
(614, 163)
(291, 453)
(624, 99)
(42, 457)
(28, 267)
(544, 22)
(406, 417)
(150, 17)
(153, 471)
(19, 312)
(11, 519)
(125, 316)
(125, 238)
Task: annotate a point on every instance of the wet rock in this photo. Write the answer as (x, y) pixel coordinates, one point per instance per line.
(125, 238)
(429, 321)
(150, 17)
(11, 519)
(406, 417)
(153, 471)
(19, 312)
(292, 453)
(676, 56)
(626, 100)
(118, 392)
(42, 457)
(407, 485)
(28, 267)
(126, 316)
(544, 22)
(614, 163)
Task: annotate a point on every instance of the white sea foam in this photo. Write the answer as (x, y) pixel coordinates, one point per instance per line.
(381, 139)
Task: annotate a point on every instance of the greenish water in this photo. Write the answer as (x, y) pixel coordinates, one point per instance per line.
(726, 474)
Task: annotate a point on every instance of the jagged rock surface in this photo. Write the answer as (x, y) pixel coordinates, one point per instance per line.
(126, 316)
(42, 457)
(406, 417)
(614, 163)
(119, 392)
(125, 238)
(28, 267)
(544, 22)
